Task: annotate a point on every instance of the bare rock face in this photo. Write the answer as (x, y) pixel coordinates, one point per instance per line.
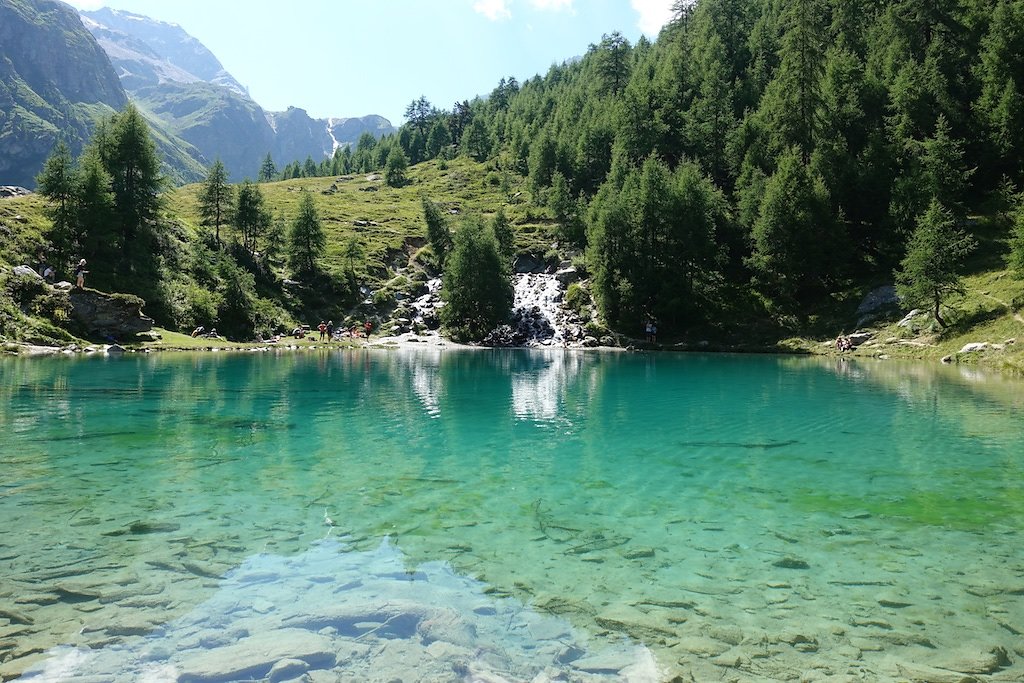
(109, 315)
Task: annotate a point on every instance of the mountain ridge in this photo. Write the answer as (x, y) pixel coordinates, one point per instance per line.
(55, 82)
(185, 87)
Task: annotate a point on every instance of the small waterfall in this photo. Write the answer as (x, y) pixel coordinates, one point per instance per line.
(537, 310)
(538, 318)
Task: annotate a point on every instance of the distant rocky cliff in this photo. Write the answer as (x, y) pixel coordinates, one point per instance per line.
(183, 84)
(55, 81)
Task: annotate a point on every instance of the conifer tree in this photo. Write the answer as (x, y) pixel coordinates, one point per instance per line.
(1000, 106)
(309, 169)
(419, 114)
(60, 183)
(476, 140)
(611, 57)
(438, 233)
(1016, 258)
(215, 199)
(793, 99)
(477, 289)
(932, 269)
(352, 251)
(439, 138)
(306, 240)
(395, 168)
(134, 169)
(501, 226)
(274, 242)
(251, 218)
(268, 170)
(97, 217)
(793, 240)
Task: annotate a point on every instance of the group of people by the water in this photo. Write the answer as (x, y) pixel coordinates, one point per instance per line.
(327, 331)
(49, 273)
(844, 343)
(651, 330)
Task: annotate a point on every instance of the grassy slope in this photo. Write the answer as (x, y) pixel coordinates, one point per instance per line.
(986, 313)
(398, 213)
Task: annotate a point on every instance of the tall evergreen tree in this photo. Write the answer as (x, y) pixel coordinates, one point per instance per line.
(932, 269)
(309, 169)
(793, 99)
(215, 199)
(439, 138)
(268, 169)
(274, 242)
(611, 57)
(134, 169)
(476, 141)
(438, 233)
(251, 217)
(352, 251)
(1000, 106)
(501, 226)
(98, 236)
(793, 238)
(419, 114)
(477, 288)
(395, 168)
(60, 183)
(306, 240)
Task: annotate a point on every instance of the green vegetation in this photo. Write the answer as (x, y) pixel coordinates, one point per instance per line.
(749, 175)
(477, 289)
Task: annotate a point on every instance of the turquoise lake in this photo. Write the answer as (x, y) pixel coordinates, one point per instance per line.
(519, 515)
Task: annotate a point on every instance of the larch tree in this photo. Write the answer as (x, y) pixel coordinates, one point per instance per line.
(306, 239)
(134, 168)
(477, 289)
(215, 199)
(395, 168)
(251, 218)
(932, 270)
(438, 233)
(268, 169)
(60, 183)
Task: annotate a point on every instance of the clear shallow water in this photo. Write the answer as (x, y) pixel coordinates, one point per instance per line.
(557, 513)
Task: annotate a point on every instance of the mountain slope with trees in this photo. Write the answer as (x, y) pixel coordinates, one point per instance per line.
(55, 82)
(749, 175)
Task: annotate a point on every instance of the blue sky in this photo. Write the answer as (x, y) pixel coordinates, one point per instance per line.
(351, 58)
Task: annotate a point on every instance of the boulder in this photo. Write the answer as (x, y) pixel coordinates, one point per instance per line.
(26, 271)
(526, 263)
(566, 275)
(109, 315)
(858, 338)
(7, 191)
(909, 317)
(974, 347)
(878, 302)
(255, 656)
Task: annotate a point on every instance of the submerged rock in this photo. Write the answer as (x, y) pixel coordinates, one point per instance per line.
(791, 563)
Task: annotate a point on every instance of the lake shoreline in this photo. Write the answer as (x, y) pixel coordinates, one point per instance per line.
(1003, 358)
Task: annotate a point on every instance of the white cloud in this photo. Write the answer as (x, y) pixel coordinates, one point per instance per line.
(653, 15)
(495, 10)
(553, 5)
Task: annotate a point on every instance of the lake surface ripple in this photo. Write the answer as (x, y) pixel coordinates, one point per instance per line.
(447, 515)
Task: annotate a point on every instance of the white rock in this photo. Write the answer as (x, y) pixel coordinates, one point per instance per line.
(909, 317)
(286, 669)
(254, 656)
(974, 347)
